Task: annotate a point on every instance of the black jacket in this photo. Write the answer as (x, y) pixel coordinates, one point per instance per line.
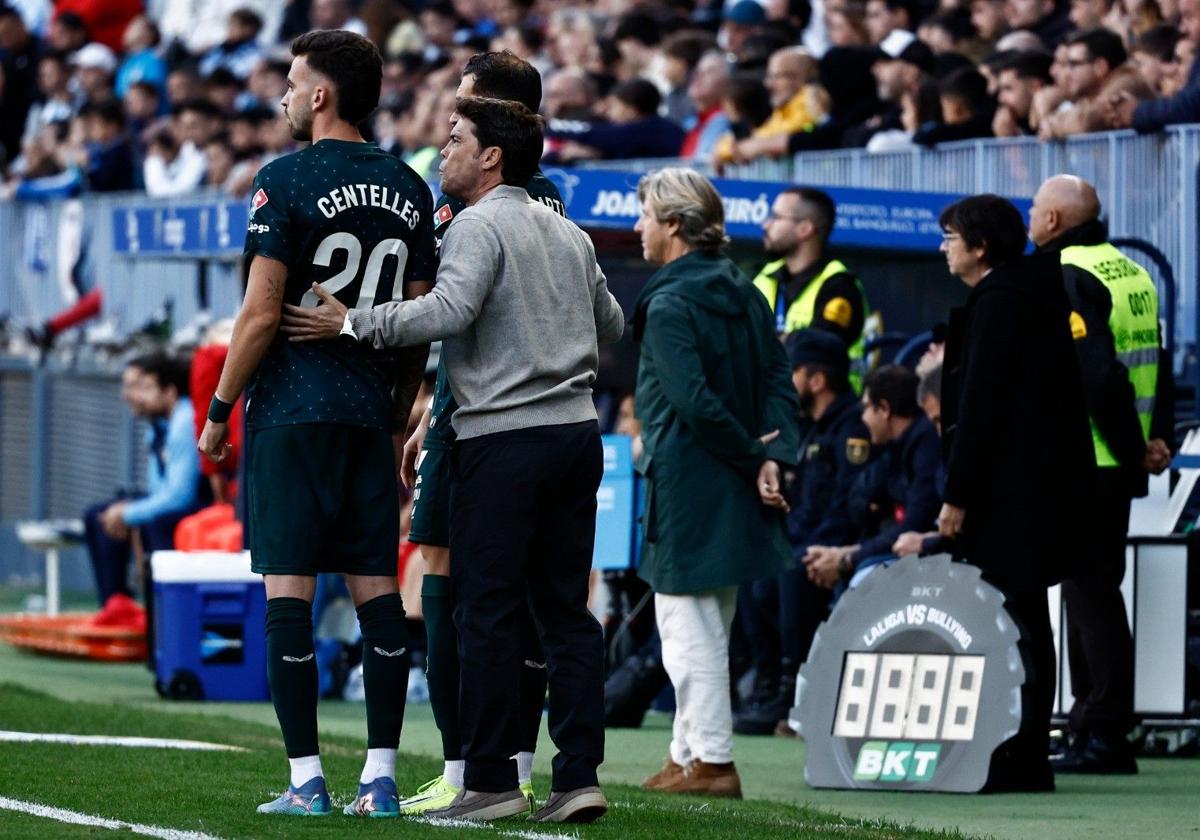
(1016, 440)
(902, 485)
(1106, 387)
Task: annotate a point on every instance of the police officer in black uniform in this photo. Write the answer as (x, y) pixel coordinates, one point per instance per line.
(834, 449)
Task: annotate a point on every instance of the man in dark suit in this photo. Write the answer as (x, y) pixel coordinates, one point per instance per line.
(1017, 446)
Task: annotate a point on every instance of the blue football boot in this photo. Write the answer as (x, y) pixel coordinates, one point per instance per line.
(309, 800)
(375, 799)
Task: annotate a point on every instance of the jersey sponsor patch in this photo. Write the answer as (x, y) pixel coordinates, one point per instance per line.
(444, 214)
(857, 450)
(838, 311)
(1078, 326)
(260, 198)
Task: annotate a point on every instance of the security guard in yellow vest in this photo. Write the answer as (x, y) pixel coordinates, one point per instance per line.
(804, 286)
(1126, 380)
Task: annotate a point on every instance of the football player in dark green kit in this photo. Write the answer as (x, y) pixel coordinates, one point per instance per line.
(426, 468)
(321, 479)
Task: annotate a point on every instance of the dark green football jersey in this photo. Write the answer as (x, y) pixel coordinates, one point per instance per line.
(359, 222)
(540, 188)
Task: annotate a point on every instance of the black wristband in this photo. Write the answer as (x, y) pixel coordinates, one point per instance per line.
(219, 410)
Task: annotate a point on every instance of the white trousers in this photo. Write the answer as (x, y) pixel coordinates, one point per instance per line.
(695, 649)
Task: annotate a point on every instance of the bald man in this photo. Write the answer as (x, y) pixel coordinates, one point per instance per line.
(1126, 379)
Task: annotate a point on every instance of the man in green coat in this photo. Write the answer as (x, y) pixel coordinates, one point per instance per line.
(719, 415)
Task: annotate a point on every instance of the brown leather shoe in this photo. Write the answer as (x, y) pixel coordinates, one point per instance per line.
(668, 775)
(703, 779)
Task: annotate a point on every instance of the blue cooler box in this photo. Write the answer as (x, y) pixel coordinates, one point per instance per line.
(209, 626)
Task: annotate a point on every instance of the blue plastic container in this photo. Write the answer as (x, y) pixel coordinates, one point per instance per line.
(209, 626)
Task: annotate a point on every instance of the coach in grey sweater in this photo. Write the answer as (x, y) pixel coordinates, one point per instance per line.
(520, 303)
(521, 306)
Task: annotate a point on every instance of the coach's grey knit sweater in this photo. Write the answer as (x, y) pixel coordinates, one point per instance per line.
(520, 305)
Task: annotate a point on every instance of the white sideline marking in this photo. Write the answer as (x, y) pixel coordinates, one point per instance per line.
(114, 741)
(525, 835)
(76, 818)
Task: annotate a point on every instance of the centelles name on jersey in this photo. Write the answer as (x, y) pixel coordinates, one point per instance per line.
(368, 195)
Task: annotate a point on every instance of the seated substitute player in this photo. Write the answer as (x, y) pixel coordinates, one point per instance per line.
(426, 469)
(344, 217)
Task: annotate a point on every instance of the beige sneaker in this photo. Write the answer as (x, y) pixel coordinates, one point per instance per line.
(703, 779)
(668, 775)
(582, 805)
(478, 805)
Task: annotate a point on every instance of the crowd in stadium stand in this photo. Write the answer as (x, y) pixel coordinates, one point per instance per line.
(184, 95)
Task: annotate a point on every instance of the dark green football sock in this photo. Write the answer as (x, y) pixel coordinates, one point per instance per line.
(292, 673)
(441, 669)
(385, 668)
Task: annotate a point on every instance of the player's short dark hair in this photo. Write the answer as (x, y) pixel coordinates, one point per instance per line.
(510, 126)
(818, 206)
(895, 385)
(109, 111)
(351, 62)
(1158, 41)
(1028, 64)
(990, 222)
(1102, 43)
(504, 75)
(167, 370)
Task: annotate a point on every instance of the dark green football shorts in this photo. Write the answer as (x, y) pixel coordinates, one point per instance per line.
(322, 498)
(431, 499)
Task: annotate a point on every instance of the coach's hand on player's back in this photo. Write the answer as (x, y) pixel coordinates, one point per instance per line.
(324, 321)
(213, 441)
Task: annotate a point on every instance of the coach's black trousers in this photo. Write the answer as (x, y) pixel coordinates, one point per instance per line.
(522, 528)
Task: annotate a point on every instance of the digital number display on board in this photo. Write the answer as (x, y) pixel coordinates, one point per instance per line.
(912, 682)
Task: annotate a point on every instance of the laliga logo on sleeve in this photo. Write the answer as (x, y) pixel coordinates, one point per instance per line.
(912, 682)
(260, 198)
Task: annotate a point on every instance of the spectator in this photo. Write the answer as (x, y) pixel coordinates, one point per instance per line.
(55, 102)
(1176, 73)
(743, 19)
(966, 109)
(918, 110)
(142, 63)
(846, 26)
(183, 84)
(570, 95)
(746, 105)
(793, 18)
(890, 24)
(1021, 40)
(67, 32)
(797, 105)
(1020, 78)
(222, 89)
(1153, 52)
(265, 86)
(1044, 18)
(709, 123)
(156, 389)
(103, 20)
(708, 353)
(1123, 109)
(107, 157)
(218, 161)
(681, 53)
(94, 66)
(1089, 14)
(636, 130)
(1096, 72)
(637, 36)
(906, 72)
(239, 52)
(19, 54)
(1016, 445)
(952, 32)
(896, 492)
(987, 16)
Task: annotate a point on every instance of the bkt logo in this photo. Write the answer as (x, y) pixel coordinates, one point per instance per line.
(902, 761)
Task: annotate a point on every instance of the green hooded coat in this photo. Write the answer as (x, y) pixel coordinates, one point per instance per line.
(712, 379)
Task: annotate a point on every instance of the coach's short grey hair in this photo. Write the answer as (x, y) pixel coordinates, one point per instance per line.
(687, 197)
